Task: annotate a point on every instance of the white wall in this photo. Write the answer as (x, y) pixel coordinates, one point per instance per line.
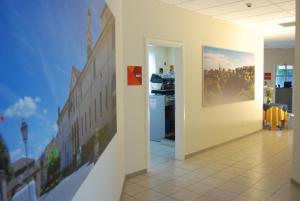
(105, 181)
(274, 57)
(172, 59)
(203, 127)
(296, 161)
(163, 55)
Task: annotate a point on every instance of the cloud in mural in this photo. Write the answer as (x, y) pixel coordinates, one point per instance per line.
(24, 107)
(16, 154)
(55, 127)
(45, 111)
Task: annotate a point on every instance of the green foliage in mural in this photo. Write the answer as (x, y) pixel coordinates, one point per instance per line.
(5, 159)
(53, 160)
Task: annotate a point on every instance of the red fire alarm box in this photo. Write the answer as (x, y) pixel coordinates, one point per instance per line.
(268, 76)
(134, 75)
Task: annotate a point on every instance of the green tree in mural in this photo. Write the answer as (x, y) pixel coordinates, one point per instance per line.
(53, 160)
(4, 158)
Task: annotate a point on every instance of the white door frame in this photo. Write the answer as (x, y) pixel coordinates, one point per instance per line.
(179, 97)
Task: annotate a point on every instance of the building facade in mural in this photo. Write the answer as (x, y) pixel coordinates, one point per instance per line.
(89, 115)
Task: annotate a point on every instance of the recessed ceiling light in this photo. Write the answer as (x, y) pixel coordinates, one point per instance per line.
(249, 5)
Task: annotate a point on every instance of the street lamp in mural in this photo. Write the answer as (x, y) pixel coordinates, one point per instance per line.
(24, 132)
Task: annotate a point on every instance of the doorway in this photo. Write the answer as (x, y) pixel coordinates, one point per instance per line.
(164, 101)
(284, 79)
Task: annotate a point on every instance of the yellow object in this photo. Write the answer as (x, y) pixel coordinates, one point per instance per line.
(275, 115)
(268, 94)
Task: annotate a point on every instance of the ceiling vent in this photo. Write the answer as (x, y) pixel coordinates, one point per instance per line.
(288, 24)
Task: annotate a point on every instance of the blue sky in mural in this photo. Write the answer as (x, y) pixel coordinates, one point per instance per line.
(218, 57)
(40, 41)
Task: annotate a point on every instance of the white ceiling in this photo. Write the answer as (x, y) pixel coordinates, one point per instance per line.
(264, 15)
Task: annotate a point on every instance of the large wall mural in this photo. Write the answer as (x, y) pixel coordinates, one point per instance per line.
(57, 96)
(229, 76)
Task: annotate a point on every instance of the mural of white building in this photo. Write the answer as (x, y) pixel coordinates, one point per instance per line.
(87, 121)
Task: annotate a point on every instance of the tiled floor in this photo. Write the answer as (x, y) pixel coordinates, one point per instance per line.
(255, 168)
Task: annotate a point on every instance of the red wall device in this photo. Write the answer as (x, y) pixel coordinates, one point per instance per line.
(268, 76)
(134, 75)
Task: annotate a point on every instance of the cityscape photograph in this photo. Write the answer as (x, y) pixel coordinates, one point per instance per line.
(57, 95)
(229, 76)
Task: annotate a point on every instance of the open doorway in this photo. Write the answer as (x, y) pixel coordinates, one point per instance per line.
(284, 79)
(278, 97)
(164, 102)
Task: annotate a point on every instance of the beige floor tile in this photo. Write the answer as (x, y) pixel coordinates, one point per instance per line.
(234, 187)
(125, 197)
(212, 181)
(150, 182)
(137, 178)
(205, 198)
(222, 195)
(206, 171)
(166, 188)
(244, 165)
(282, 173)
(267, 186)
(224, 175)
(149, 195)
(192, 167)
(181, 182)
(253, 175)
(227, 162)
(194, 176)
(254, 168)
(200, 188)
(133, 189)
(278, 197)
(242, 198)
(203, 174)
(164, 176)
(185, 195)
(177, 171)
(244, 181)
(235, 171)
(289, 191)
(257, 194)
(158, 168)
(168, 199)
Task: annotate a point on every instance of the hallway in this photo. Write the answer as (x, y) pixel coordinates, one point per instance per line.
(257, 167)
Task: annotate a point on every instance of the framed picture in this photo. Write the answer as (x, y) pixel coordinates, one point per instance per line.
(228, 76)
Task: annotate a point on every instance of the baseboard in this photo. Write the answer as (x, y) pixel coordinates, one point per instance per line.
(294, 182)
(219, 145)
(122, 192)
(128, 176)
(137, 173)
